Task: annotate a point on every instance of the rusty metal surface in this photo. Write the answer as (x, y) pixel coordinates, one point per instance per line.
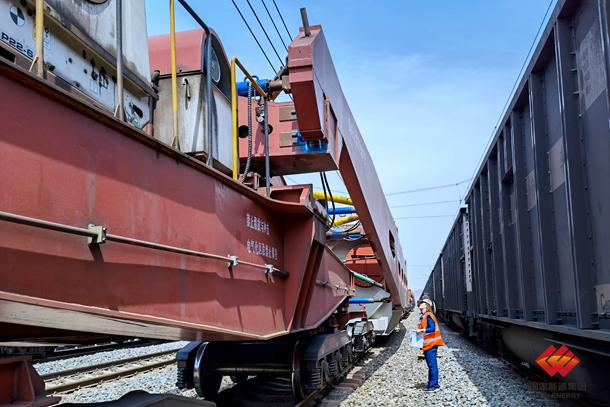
(76, 165)
(321, 107)
(21, 385)
(288, 154)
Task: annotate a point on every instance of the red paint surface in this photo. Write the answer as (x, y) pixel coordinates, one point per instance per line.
(74, 165)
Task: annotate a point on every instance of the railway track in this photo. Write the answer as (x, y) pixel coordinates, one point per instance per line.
(71, 379)
(69, 352)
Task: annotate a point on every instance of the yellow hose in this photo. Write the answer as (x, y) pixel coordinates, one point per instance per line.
(234, 121)
(338, 199)
(346, 219)
(39, 38)
(172, 41)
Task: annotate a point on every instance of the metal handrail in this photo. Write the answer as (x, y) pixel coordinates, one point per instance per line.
(235, 62)
(97, 235)
(38, 60)
(172, 52)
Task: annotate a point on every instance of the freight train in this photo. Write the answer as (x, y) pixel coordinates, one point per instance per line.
(143, 194)
(526, 266)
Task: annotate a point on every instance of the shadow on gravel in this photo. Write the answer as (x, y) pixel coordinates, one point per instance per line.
(462, 350)
(370, 363)
(478, 368)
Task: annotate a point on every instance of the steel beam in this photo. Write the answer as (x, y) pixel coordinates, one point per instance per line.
(577, 193)
(543, 198)
(523, 237)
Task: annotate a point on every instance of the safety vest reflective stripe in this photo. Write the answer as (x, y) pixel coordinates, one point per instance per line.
(431, 339)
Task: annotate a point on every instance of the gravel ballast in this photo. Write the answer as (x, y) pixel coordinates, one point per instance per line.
(395, 376)
(101, 357)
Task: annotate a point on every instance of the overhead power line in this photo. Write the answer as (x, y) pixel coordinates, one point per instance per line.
(512, 91)
(254, 36)
(266, 35)
(425, 203)
(283, 22)
(410, 191)
(425, 217)
(274, 25)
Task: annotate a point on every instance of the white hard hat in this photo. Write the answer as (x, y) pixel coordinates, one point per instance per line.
(427, 301)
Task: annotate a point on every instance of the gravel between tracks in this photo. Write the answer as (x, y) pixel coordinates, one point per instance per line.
(394, 376)
(468, 376)
(101, 357)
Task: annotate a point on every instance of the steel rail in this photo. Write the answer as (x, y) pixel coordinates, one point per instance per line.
(88, 350)
(90, 380)
(97, 235)
(69, 372)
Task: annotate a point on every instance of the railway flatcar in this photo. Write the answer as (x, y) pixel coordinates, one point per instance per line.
(143, 195)
(527, 262)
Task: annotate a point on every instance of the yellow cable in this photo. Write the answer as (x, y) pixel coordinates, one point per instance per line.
(234, 121)
(317, 195)
(172, 41)
(346, 219)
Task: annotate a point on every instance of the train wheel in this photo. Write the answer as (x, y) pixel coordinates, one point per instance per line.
(207, 383)
(208, 386)
(298, 388)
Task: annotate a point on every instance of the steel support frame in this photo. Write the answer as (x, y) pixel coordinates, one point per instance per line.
(577, 194)
(523, 237)
(495, 229)
(487, 246)
(481, 296)
(21, 385)
(543, 197)
(507, 226)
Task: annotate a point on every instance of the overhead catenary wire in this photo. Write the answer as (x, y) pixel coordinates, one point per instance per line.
(254, 36)
(426, 203)
(424, 217)
(513, 89)
(274, 25)
(410, 191)
(283, 21)
(266, 35)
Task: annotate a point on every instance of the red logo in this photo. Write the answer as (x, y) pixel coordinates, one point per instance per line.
(554, 360)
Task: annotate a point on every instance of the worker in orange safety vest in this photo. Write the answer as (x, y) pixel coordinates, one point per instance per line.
(428, 325)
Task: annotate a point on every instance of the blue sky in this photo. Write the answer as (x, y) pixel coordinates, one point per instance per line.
(426, 81)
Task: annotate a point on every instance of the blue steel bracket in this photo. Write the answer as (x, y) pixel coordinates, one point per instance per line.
(242, 87)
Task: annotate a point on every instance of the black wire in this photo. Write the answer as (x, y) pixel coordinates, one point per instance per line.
(266, 35)
(332, 200)
(282, 18)
(324, 190)
(352, 228)
(274, 26)
(254, 36)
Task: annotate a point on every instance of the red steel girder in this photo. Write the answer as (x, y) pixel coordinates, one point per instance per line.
(321, 108)
(67, 162)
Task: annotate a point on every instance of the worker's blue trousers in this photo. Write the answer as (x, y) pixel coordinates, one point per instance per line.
(430, 355)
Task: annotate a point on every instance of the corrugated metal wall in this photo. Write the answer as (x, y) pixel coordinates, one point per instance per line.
(539, 208)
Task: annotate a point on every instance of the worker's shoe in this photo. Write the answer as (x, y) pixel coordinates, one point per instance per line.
(431, 389)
